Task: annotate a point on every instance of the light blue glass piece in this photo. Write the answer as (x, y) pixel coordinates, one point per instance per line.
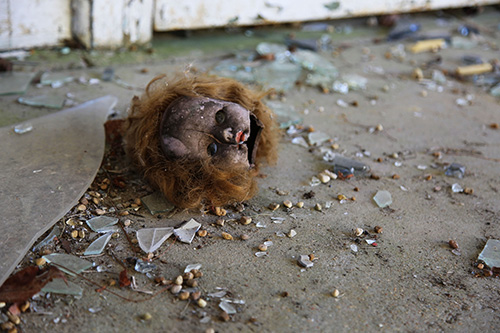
(97, 246)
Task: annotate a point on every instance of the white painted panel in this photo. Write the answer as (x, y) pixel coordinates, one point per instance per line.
(29, 23)
(192, 14)
(107, 23)
(138, 20)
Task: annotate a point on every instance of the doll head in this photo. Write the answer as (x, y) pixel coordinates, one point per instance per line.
(200, 140)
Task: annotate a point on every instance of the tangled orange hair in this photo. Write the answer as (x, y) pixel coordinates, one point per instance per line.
(191, 183)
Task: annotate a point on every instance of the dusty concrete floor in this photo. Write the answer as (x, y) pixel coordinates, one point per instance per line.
(410, 282)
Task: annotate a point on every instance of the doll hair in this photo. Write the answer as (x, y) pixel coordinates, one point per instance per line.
(191, 183)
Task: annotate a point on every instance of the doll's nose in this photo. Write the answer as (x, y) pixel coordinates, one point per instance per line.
(238, 138)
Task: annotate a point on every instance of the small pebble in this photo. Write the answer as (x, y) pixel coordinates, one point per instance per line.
(74, 234)
(453, 244)
(273, 206)
(178, 280)
(318, 207)
(300, 204)
(287, 204)
(225, 316)
(423, 93)
(146, 316)
(244, 237)
(378, 229)
(227, 236)
(2, 304)
(99, 211)
(195, 295)
(494, 126)
(192, 283)
(202, 303)
(220, 211)
(184, 295)
(127, 222)
(202, 233)
(81, 208)
(341, 197)
(437, 188)
(468, 190)
(417, 74)
(188, 276)
(379, 128)
(176, 289)
(480, 266)
(262, 247)
(8, 326)
(336, 293)
(210, 330)
(358, 231)
(245, 220)
(197, 273)
(324, 178)
(40, 261)
(335, 146)
(81, 233)
(428, 177)
(13, 318)
(395, 176)
(220, 222)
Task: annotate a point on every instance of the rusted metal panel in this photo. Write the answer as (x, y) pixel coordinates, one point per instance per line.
(194, 14)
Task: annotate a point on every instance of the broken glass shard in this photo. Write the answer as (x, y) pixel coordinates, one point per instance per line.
(354, 248)
(156, 203)
(317, 138)
(228, 308)
(495, 91)
(455, 170)
(456, 188)
(271, 48)
(355, 82)
(97, 246)
(108, 74)
(403, 30)
(53, 234)
(277, 75)
(300, 141)
(459, 42)
(15, 82)
(285, 113)
(280, 234)
(102, 223)
(305, 261)
(260, 225)
(277, 219)
(438, 76)
(382, 198)
(77, 141)
(152, 238)
(340, 87)
(68, 261)
(491, 253)
(268, 243)
(233, 68)
(23, 128)
(343, 163)
(189, 268)
(218, 294)
(55, 80)
(49, 101)
(260, 254)
(187, 231)
(315, 181)
(59, 286)
(142, 266)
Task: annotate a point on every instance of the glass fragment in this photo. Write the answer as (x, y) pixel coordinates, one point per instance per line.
(101, 223)
(190, 267)
(187, 231)
(97, 246)
(49, 101)
(156, 203)
(490, 254)
(383, 198)
(68, 261)
(150, 239)
(15, 82)
(142, 266)
(228, 308)
(59, 286)
(455, 170)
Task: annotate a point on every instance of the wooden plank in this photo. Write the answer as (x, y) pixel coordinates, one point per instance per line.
(195, 14)
(28, 23)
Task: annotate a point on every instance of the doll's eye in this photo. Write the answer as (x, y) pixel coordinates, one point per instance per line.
(212, 149)
(220, 116)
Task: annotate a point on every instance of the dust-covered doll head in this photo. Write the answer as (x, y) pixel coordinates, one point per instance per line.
(201, 140)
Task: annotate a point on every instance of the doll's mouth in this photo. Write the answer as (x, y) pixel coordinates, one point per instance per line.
(253, 139)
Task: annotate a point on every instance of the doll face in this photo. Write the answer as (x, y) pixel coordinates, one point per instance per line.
(206, 128)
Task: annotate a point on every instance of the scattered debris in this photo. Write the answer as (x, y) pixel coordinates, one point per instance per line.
(103, 224)
(150, 239)
(305, 261)
(187, 231)
(490, 254)
(382, 198)
(97, 246)
(156, 203)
